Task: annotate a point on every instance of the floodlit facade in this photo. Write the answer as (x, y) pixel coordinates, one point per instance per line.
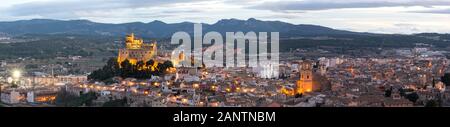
(305, 84)
(136, 50)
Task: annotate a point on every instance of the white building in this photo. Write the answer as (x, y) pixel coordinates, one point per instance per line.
(267, 71)
(12, 97)
(30, 97)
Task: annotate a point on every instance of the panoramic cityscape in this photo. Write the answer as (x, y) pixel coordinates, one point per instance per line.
(392, 77)
(82, 59)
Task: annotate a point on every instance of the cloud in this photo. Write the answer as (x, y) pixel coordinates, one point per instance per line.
(182, 11)
(407, 26)
(434, 11)
(310, 5)
(209, 11)
(404, 25)
(242, 2)
(280, 16)
(70, 7)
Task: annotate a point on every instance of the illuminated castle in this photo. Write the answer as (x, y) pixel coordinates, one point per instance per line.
(136, 50)
(305, 84)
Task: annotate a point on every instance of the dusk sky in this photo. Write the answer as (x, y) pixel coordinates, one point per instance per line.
(380, 16)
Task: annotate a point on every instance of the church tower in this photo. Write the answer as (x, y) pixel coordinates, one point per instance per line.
(305, 84)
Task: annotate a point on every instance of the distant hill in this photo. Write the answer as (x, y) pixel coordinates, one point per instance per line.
(158, 29)
(44, 33)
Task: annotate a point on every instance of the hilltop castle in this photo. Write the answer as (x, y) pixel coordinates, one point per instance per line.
(136, 50)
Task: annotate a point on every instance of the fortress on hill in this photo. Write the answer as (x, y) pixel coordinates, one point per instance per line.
(136, 50)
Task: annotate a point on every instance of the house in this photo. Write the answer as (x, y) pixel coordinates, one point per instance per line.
(11, 97)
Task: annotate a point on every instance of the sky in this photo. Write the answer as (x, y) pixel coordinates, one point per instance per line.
(377, 16)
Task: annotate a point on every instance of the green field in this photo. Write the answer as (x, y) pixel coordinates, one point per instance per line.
(51, 46)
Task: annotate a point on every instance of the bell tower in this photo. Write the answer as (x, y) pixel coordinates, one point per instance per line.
(305, 83)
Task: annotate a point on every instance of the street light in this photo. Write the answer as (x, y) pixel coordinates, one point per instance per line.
(16, 74)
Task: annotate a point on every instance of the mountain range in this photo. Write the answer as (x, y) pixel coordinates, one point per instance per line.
(291, 35)
(50, 38)
(159, 29)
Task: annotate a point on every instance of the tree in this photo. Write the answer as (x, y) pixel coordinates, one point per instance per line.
(388, 92)
(66, 99)
(111, 69)
(140, 65)
(432, 103)
(163, 67)
(412, 97)
(140, 70)
(127, 68)
(168, 64)
(402, 92)
(87, 98)
(446, 79)
(112, 64)
(150, 62)
(116, 103)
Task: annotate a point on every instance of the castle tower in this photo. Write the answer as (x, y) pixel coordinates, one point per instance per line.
(136, 50)
(305, 84)
(133, 43)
